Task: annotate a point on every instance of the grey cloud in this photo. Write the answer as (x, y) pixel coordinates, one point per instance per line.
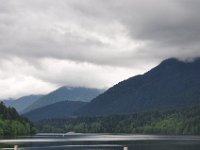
(71, 36)
(170, 28)
(172, 23)
(112, 39)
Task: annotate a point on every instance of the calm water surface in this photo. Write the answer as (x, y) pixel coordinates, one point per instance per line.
(103, 142)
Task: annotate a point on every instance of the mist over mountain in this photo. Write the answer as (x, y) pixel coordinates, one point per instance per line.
(65, 94)
(173, 83)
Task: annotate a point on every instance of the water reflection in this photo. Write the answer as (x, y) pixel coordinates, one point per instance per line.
(105, 142)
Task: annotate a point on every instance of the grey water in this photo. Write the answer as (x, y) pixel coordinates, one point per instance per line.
(102, 142)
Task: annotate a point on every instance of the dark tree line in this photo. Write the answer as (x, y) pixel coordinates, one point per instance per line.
(11, 124)
(182, 121)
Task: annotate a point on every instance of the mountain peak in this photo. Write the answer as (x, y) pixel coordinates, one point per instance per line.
(170, 61)
(65, 93)
(185, 61)
(173, 83)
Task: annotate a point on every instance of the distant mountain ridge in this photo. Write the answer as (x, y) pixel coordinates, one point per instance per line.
(22, 103)
(57, 110)
(65, 94)
(171, 84)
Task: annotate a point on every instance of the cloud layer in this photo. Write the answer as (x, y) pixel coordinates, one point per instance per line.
(45, 44)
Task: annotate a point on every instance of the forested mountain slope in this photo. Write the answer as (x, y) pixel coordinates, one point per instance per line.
(11, 124)
(171, 84)
(56, 110)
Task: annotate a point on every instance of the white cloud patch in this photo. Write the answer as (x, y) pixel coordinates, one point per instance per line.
(19, 77)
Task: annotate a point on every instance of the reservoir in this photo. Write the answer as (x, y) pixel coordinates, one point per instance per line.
(74, 141)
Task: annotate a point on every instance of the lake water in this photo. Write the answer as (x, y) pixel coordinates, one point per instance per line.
(103, 142)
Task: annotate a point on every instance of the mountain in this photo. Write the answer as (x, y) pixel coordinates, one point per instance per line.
(8, 102)
(56, 110)
(65, 94)
(171, 84)
(23, 102)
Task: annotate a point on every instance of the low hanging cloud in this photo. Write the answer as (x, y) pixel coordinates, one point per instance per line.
(45, 44)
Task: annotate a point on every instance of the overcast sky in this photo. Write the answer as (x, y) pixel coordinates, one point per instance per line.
(45, 44)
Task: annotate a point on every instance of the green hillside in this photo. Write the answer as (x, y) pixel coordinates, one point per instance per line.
(11, 124)
(183, 121)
